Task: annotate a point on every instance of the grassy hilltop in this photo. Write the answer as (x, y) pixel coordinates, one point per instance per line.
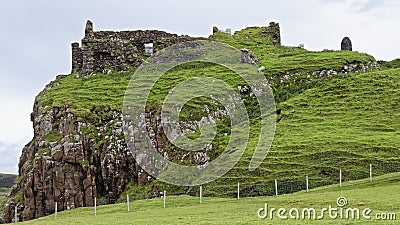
(346, 121)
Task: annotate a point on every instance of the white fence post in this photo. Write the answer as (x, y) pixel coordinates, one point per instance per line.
(370, 173)
(201, 194)
(340, 178)
(55, 210)
(307, 183)
(16, 214)
(127, 202)
(276, 187)
(165, 198)
(95, 206)
(238, 193)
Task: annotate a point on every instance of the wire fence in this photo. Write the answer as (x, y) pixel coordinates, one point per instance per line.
(231, 189)
(243, 189)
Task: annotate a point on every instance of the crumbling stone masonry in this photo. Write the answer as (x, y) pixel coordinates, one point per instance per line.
(117, 50)
(273, 31)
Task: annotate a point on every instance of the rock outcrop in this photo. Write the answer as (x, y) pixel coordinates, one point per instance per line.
(71, 163)
(247, 56)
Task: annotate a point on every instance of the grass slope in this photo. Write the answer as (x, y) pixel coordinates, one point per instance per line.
(346, 123)
(381, 196)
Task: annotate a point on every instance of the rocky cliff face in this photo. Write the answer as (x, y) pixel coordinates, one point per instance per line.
(73, 160)
(70, 162)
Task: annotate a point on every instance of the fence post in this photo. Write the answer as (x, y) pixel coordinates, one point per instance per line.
(238, 193)
(201, 194)
(95, 206)
(16, 214)
(370, 173)
(55, 210)
(276, 187)
(165, 198)
(307, 183)
(340, 178)
(127, 202)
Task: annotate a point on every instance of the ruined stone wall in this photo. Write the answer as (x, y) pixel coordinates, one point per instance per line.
(117, 50)
(274, 31)
(77, 58)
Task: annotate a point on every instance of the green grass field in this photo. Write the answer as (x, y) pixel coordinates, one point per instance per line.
(381, 196)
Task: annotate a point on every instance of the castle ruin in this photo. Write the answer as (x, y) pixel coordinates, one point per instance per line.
(118, 49)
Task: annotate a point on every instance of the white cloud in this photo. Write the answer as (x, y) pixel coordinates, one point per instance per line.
(15, 130)
(10, 153)
(15, 119)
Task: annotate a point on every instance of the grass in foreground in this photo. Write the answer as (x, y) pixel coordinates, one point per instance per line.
(381, 196)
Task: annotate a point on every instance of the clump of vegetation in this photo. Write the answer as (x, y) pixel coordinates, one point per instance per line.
(52, 136)
(43, 151)
(85, 162)
(19, 197)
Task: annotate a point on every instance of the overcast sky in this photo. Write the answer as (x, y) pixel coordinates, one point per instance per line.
(35, 38)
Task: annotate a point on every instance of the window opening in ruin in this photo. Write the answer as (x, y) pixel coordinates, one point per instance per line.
(148, 49)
